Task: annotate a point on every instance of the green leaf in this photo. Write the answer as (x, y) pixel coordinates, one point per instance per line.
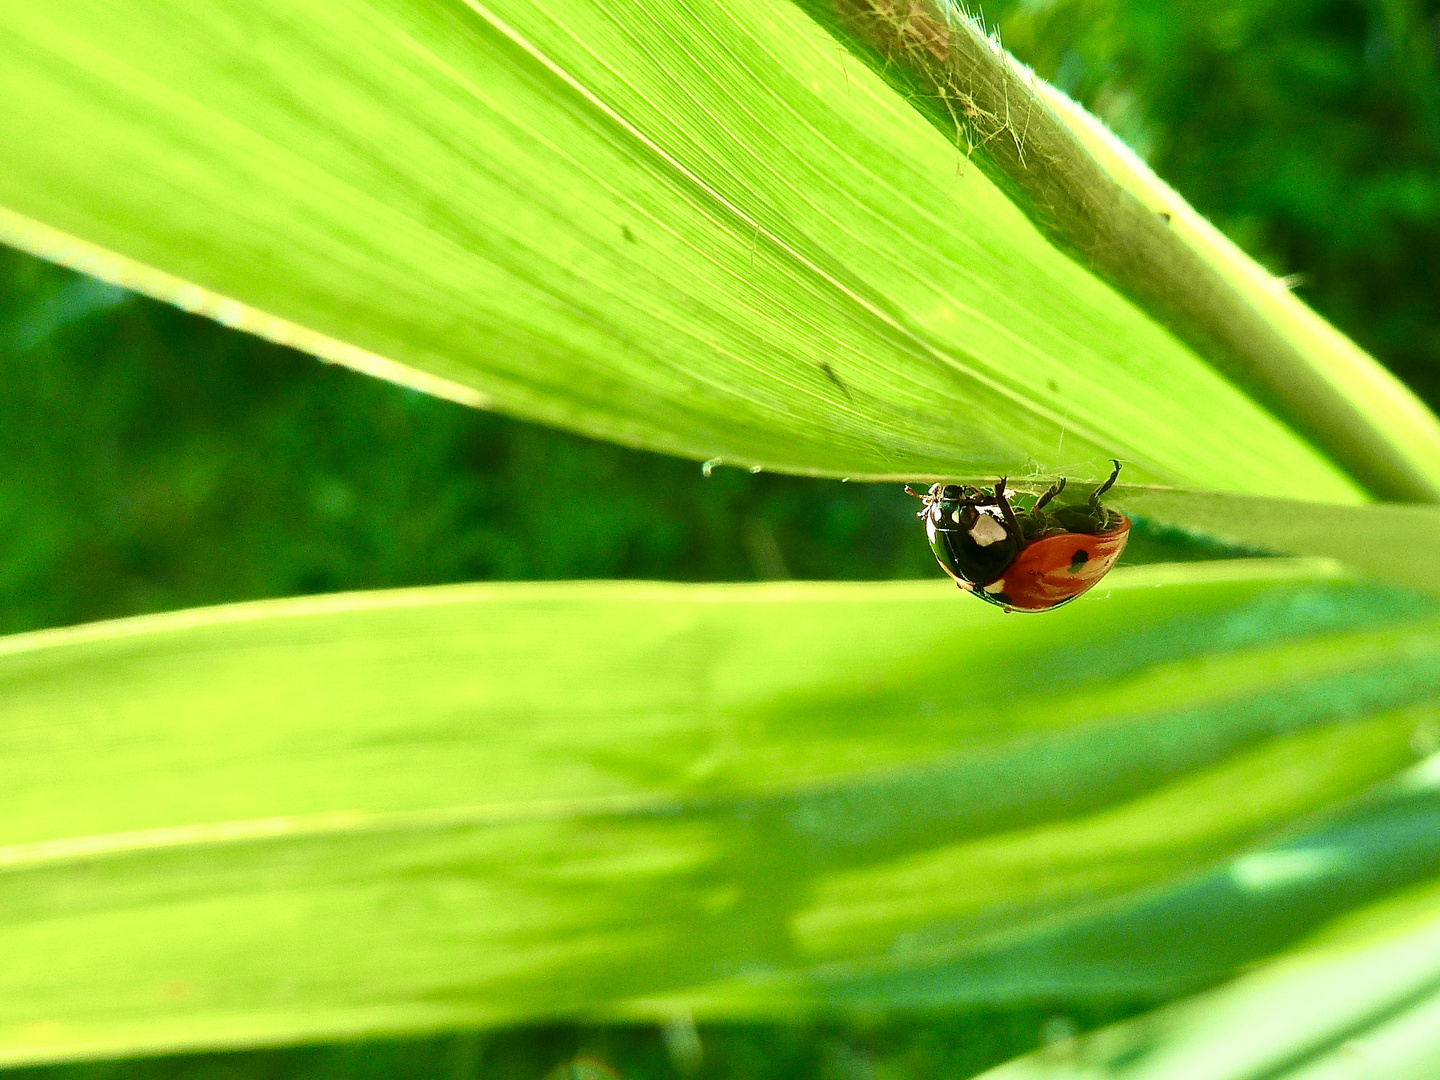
(391, 812)
(1358, 999)
(693, 228)
(1391, 543)
(1094, 198)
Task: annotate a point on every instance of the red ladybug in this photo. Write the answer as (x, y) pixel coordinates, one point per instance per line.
(1022, 560)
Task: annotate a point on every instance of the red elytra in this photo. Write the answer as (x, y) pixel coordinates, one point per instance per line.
(1050, 571)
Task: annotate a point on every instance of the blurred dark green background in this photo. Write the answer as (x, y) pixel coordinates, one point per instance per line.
(153, 460)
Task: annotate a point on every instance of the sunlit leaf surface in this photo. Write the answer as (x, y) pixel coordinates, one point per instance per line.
(401, 811)
(697, 228)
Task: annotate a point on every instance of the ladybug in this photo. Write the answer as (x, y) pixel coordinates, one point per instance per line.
(1022, 560)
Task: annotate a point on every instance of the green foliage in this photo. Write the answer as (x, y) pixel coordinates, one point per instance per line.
(635, 800)
(1309, 131)
(207, 466)
(1096, 201)
(950, 1047)
(1230, 800)
(1358, 999)
(695, 229)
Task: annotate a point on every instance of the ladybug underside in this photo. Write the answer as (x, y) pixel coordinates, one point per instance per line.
(1025, 560)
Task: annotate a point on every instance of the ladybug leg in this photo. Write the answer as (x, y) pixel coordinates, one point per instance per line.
(1106, 486)
(1006, 509)
(1055, 489)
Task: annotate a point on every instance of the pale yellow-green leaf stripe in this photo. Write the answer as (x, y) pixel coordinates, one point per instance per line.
(693, 228)
(1361, 999)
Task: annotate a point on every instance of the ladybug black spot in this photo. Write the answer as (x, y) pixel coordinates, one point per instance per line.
(1079, 559)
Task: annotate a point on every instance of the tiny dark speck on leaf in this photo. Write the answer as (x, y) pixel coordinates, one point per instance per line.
(1165, 216)
(829, 373)
(1054, 386)
(627, 234)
